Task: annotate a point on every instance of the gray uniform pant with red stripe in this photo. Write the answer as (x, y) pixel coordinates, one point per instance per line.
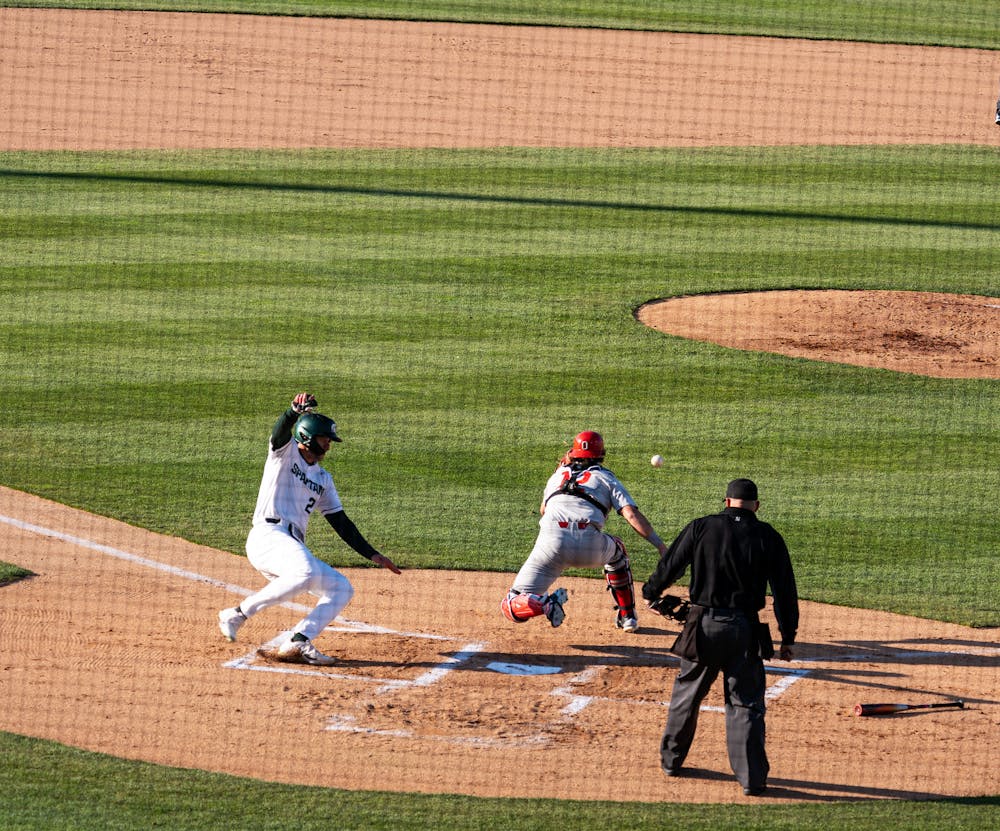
(557, 549)
(725, 644)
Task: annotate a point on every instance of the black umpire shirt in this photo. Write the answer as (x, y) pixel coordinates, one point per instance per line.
(733, 557)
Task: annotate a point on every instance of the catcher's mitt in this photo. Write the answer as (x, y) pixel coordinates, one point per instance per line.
(672, 607)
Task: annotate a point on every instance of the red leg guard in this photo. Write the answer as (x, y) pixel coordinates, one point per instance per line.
(619, 576)
(521, 607)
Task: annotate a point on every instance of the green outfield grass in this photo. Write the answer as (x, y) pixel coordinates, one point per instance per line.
(463, 314)
(934, 22)
(52, 787)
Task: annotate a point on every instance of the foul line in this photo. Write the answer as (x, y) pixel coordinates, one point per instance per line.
(121, 555)
(346, 625)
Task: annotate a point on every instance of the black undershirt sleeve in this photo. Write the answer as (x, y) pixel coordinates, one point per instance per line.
(281, 433)
(350, 534)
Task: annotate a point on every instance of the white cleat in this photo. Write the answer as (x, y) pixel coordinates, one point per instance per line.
(628, 624)
(230, 621)
(303, 652)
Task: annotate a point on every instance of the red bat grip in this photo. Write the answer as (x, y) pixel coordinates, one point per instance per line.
(877, 709)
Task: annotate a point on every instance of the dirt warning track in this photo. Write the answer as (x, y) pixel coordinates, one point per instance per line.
(84, 80)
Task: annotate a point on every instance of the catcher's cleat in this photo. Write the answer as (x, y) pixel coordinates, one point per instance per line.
(627, 623)
(230, 621)
(553, 607)
(303, 652)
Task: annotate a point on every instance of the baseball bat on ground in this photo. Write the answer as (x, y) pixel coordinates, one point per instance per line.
(889, 709)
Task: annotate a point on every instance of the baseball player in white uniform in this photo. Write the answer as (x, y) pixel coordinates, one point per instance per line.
(293, 488)
(576, 502)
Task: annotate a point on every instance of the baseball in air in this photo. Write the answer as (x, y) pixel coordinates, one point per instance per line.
(656, 461)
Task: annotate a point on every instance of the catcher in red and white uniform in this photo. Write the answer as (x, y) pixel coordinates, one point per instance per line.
(293, 488)
(576, 502)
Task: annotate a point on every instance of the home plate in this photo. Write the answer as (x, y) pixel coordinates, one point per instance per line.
(522, 669)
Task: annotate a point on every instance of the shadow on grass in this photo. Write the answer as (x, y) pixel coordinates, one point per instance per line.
(522, 201)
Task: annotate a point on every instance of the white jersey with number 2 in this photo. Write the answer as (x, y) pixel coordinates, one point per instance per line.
(292, 490)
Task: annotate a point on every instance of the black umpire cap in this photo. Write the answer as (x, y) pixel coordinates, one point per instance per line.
(744, 489)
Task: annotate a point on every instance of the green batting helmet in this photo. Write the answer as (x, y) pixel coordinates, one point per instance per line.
(311, 426)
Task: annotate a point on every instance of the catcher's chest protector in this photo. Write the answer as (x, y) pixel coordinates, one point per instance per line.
(571, 486)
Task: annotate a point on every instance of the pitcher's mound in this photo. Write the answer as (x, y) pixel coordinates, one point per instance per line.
(940, 335)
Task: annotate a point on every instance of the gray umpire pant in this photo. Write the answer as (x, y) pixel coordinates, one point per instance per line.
(725, 644)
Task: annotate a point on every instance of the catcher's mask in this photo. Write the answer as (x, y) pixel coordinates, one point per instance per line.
(312, 426)
(587, 445)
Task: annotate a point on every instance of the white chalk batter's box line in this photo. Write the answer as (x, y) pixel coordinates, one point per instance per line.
(342, 722)
(450, 664)
(347, 723)
(426, 679)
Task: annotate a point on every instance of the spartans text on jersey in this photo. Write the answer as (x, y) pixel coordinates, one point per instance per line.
(300, 474)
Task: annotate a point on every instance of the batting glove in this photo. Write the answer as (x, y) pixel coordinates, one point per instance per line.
(304, 402)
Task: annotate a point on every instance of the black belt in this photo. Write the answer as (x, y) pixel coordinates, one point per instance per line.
(730, 612)
(294, 530)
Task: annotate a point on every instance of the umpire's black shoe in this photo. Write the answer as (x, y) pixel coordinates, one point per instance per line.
(758, 790)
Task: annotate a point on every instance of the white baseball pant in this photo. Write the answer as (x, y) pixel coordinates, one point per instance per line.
(292, 569)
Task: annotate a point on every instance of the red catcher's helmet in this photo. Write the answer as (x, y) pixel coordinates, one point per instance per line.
(587, 445)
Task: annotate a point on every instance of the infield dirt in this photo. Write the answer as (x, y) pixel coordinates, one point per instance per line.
(113, 645)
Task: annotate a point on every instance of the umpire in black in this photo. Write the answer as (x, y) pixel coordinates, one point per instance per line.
(733, 557)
